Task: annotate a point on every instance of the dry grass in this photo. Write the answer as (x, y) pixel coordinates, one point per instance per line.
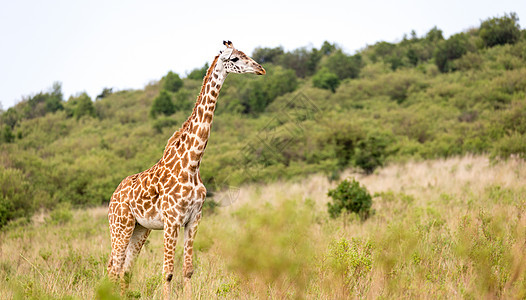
(453, 228)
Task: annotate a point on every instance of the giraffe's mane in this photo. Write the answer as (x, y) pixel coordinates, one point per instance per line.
(185, 125)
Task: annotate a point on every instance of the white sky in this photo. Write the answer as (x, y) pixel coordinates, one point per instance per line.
(89, 45)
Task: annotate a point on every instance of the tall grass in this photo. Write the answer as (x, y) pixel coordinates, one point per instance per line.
(453, 228)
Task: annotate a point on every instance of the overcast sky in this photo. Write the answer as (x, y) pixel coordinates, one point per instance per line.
(89, 45)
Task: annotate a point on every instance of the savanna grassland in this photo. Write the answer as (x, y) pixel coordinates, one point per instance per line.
(453, 228)
(433, 127)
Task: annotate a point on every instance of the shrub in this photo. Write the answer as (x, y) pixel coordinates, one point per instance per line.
(349, 196)
(162, 105)
(267, 55)
(16, 199)
(500, 31)
(301, 60)
(172, 82)
(513, 144)
(105, 93)
(54, 99)
(371, 153)
(163, 122)
(6, 134)
(448, 50)
(183, 100)
(84, 107)
(61, 215)
(198, 74)
(343, 65)
(351, 260)
(79, 106)
(325, 79)
(257, 95)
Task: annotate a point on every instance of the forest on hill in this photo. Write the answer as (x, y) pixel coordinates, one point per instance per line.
(316, 111)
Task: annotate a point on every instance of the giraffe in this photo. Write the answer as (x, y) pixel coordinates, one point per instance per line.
(170, 194)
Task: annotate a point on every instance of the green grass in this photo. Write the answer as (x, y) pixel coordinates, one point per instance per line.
(452, 228)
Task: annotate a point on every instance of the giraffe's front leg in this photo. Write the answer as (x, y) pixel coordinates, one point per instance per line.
(171, 231)
(189, 234)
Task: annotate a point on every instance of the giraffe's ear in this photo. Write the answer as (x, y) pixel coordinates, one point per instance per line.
(228, 44)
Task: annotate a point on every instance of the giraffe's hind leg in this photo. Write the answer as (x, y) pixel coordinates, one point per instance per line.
(139, 236)
(188, 269)
(122, 224)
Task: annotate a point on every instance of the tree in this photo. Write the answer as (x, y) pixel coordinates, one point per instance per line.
(198, 74)
(343, 65)
(182, 100)
(300, 61)
(327, 48)
(267, 55)
(371, 152)
(172, 82)
(325, 79)
(434, 35)
(105, 93)
(500, 31)
(10, 117)
(162, 104)
(84, 107)
(16, 195)
(448, 50)
(54, 99)
(257, 95)
(7, 135)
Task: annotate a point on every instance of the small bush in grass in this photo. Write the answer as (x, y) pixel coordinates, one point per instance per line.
(61, 215)
(349, 196)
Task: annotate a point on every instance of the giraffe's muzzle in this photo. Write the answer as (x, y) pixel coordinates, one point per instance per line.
(260, 70)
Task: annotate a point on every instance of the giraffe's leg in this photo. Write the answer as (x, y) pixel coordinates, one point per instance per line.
(188, 269)
(139, 236)
(171, 231)
(122, 224)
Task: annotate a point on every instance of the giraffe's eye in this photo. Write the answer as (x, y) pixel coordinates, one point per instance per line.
(235, 59)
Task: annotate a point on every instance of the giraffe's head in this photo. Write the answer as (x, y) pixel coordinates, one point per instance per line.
(235, 61)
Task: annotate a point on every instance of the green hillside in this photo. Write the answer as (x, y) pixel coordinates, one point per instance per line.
(316, 111)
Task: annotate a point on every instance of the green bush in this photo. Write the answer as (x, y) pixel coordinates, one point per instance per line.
(6, 134)
(84, 107)
(301, 60)
(267, 55)
(184, 100)
(449, 50)
(105, 93)
(16, 199)
(500, 31)
(258, 94)
(160, 123)
(198, 74)
(79, 106)
(351, 259)
(172, 82)
(343, 65)
(61, 215)
(325, 79)
(162, 105)
(350, 197)
(371, 153)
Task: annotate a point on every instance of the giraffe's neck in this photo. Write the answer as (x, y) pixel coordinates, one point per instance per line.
(193, 135)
